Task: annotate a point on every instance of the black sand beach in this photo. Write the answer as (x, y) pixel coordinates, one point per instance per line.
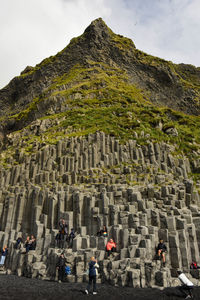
(21, 288)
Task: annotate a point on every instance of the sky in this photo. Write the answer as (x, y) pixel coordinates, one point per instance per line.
(31, 30)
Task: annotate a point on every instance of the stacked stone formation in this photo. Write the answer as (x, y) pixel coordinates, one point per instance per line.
(141, 193)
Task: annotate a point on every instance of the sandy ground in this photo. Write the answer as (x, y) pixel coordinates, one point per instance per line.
(20, 288)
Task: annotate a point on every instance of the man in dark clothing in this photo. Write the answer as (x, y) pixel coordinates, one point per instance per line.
(18, 243)
(161, 249)
(92, 275)
(61, 267)
(63, 230)
(71, 237)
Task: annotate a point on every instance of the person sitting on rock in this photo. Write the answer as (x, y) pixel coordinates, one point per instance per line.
(187, 285)
(4, 253)
(93, 266)
(103, 232)
(110, 247)
(18, 243)
(32, 243)
(161, 249)
(61, 267)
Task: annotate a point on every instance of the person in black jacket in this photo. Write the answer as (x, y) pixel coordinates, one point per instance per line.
(93, 266)
(161, 249)
(61, 267)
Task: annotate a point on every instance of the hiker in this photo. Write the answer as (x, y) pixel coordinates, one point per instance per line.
(61, 267)
(93, 266)
(71, 237)
(18, 243)
(187, 285)
(4, 253)
(103, 232)
(161, 249)
(110, 247)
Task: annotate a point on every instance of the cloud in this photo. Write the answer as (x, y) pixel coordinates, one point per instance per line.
(35, 29)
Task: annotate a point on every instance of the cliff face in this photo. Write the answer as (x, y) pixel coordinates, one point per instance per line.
(166, 84)
(102, 133)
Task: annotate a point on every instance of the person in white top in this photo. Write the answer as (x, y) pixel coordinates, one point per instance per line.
(187, 285)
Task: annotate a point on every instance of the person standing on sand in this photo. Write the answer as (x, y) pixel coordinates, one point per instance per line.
(61, 267)
(93, 266)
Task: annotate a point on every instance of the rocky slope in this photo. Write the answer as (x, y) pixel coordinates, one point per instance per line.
(102, 133)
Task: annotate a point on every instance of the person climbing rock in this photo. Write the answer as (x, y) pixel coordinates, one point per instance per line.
(93, 272)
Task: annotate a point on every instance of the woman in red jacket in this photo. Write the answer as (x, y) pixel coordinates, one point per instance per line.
(110, 247)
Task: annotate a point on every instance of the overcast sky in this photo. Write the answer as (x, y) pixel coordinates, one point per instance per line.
(31, 30)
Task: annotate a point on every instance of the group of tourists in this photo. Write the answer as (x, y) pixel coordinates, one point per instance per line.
(64, 239)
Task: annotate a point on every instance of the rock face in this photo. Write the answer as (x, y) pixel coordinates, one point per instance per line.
(140, 193)
(81, 138)
(175, 86)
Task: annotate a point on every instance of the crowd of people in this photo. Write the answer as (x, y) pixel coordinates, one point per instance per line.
(64, 239)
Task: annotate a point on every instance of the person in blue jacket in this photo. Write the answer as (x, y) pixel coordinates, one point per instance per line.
(93, 266)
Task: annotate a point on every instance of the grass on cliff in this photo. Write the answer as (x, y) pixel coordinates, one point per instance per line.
(102, 98)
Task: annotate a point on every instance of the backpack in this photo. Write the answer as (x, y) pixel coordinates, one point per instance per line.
(68, 270)
(193, 265)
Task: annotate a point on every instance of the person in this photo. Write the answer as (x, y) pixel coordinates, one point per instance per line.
(58, 239)
(71, 237)
(61, 267)
(103, 232)
(110, 247)
(187, 285)
(93, 266)
(63, 227)
(63, 233)
(32, 243)
(27, 244)
(161, 249)
(18, 243)
(194, 265)
(4, 253)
